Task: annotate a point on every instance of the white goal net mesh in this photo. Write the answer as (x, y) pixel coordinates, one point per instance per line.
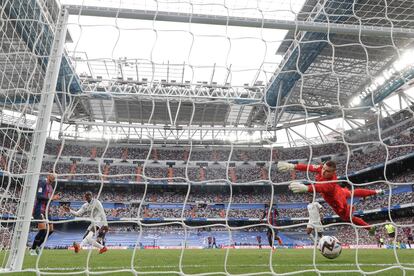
(176, 114)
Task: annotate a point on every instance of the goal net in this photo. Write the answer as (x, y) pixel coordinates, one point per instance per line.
(177, 116)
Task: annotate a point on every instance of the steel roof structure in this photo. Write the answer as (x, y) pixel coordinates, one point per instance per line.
(321, 69)
(331, 52)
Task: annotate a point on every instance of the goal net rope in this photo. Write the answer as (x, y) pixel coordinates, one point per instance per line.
(175, 115)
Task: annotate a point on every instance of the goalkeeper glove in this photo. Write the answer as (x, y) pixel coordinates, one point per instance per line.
(285, 167)
(380, 192)
(298, 187)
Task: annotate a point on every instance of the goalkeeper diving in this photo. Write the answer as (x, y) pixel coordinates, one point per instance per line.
(327, 185)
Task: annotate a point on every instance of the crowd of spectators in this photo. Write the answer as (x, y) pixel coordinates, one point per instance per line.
(194, 195)
(194, 209)
(384, 201)
(110, 151)
(239, 174)
(350, 159)
(93, 170)
(167, 196)
(348, 234)
(15, 140)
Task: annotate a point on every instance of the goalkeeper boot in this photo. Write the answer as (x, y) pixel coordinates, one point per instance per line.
(37, 250)
(103, 250)
(77, 247)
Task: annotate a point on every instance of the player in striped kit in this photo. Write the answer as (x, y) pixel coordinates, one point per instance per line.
(43, 196)
(94, 209)
(272, 220)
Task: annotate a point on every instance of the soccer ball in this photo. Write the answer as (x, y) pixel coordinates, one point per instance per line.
(330, 247)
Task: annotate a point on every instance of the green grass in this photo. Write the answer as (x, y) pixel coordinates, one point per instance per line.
(213, 261)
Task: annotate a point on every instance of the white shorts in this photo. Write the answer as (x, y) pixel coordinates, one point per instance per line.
(314, 224)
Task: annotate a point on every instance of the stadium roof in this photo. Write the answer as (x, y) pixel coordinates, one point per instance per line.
(332, 72)
(315, 70)
(335, 68)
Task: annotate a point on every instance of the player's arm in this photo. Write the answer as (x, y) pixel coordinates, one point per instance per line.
(288, 167)
(78, 213)
(306, 167)
(298, 187)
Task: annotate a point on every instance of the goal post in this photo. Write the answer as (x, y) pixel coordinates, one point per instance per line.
(29, 189)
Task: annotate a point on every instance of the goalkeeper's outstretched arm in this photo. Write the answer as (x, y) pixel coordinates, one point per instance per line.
(298, 187)
(288, 167)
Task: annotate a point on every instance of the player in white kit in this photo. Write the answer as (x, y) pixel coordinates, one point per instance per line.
(94, 209)
(314, 222)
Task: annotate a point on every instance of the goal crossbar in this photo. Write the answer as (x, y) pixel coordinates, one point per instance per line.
(334, 28)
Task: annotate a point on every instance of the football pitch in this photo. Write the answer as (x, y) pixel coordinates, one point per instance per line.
(213, 262)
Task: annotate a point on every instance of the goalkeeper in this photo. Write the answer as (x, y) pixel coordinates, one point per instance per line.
(327, 186)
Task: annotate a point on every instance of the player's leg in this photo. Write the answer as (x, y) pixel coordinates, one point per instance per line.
(309, 231)
(279, 240)
(345, 214)
(88, 239)
(101, 238)
(269, 235)
(92, 241)
(41, 233)
(84, 241)
(38, 239)
(319, 230)
(364, 192)
(40, 236)
(50, 231)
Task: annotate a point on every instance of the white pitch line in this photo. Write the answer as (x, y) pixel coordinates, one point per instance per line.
(200, 266)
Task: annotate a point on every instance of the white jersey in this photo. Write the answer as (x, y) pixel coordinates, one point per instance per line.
(94, 210)
(313, 209)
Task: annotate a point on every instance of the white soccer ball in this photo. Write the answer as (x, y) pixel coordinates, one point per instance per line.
(330, 247)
